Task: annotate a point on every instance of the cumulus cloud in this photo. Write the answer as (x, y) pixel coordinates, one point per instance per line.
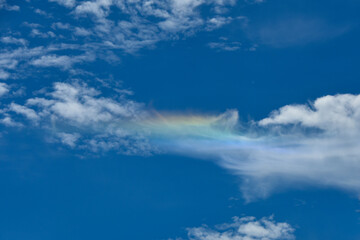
(245, 228)
(339, 113)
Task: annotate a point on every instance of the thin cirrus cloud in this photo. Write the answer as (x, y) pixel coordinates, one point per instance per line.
(312, 144)
(13, 61)
(245, 228)
(98, 35)
(294, 31)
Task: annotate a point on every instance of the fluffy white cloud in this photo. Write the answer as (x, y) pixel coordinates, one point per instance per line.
(339, 113)
(78, 116)
(245, 228)
(79, 104)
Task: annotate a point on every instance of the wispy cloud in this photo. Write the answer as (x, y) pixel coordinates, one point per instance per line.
(245, 228)
(6, 6)
(66, 3)
(4, 89)
(64, 61)
(293, 31)
(143, 24)
(15, 60)
(12, 40)
(225, 45)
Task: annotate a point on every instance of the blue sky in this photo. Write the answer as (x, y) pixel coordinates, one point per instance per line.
(179, 119)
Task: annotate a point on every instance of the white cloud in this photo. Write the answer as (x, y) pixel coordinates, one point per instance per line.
(225, 46)
(217, 22)
(4, 89)
(68, 139)
(338, 114)
(53, 60)
(4, 75)
(41, 12)
(313, 144)
(80, 105)
(21, 58)
(145, 23)
(37, 33)
(12, 40)
(61, 25)
(245, 228)
(27, 112)
(10, 58)
(65, 62)
(4, 5)
(66, 3)
(82, 31)
(99, 8)
(78, 116)
(9, 122)
(169, 19)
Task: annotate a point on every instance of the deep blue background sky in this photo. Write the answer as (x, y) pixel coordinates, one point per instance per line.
(51, 192)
